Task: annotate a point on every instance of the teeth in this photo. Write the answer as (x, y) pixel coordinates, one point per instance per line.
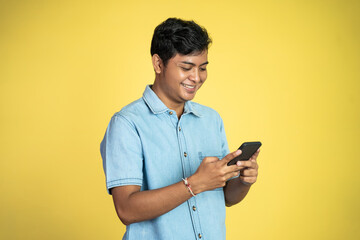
(188, 86)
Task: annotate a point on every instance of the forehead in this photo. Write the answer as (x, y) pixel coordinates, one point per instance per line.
(196, 58)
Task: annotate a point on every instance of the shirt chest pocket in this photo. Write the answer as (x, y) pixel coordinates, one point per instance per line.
(202, 155)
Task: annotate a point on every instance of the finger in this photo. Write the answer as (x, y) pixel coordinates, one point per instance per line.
(244, 164)
(253, 164)
(232, 175)
(248, 180)
(231, 156)
(254, 161)
(249, 173)
(233, 168)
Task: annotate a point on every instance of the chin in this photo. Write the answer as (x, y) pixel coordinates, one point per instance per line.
(189, 98)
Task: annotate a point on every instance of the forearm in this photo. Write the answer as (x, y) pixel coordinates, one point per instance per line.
(235, 191)
(146, 205)
(133, 205)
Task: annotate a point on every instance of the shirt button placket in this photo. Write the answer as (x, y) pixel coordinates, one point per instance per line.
(193, 207)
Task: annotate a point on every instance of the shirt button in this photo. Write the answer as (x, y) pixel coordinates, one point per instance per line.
(194, 208)
(179, 128)
(199, 235)
(185, 154)
(171, 113)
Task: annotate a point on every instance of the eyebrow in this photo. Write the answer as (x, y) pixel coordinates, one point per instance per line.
(193, 64)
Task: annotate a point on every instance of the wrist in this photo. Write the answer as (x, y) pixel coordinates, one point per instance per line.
(195, 186)
(247, 184)
(188, 186)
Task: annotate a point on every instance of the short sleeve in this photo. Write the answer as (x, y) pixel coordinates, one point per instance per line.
(121, 152)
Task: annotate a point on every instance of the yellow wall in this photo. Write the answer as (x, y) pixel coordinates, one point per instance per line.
(282, 72)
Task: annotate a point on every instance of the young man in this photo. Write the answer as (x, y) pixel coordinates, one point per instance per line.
(165, 157)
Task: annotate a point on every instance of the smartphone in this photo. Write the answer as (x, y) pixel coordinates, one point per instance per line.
(248, 149)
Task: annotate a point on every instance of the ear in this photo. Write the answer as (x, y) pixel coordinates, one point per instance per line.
(157, 63)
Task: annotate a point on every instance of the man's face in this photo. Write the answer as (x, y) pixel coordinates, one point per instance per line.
(182, 77)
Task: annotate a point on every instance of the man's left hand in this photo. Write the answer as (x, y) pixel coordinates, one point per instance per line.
(249, 174)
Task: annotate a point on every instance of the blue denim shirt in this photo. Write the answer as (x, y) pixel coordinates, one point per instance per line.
(147, 145)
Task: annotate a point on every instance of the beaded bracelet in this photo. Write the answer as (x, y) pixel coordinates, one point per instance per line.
(187, 184)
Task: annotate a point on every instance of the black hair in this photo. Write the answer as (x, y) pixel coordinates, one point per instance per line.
(175, 35)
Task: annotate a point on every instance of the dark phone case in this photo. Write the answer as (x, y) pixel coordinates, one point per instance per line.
(248, 149)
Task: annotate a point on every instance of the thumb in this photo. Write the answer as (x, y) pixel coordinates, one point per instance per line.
(210, 159)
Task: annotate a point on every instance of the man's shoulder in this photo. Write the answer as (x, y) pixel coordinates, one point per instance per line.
(132, 110)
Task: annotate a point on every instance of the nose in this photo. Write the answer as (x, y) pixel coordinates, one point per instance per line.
(195, 75)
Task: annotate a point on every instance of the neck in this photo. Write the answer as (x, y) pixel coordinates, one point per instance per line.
(178, 107)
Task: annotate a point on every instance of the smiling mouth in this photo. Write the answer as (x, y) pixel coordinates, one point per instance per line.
(188, 86)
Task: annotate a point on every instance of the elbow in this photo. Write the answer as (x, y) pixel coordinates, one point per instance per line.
(125, 216)
(125, 221)
(227, 204)
(125, 205)
(230, 201)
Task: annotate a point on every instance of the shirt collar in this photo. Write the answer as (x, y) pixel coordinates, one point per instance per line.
(157, 106)
(190, 107)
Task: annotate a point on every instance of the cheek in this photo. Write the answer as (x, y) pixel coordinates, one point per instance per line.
(178, 75)
(203, 76)
(183, 75)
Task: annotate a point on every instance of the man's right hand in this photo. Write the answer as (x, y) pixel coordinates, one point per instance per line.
(214, 173)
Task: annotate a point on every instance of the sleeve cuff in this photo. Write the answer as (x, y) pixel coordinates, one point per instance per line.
(123, 182)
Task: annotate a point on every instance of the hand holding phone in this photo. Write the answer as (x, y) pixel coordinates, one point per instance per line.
(247, 150)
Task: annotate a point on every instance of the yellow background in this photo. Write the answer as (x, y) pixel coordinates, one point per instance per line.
(282, 72)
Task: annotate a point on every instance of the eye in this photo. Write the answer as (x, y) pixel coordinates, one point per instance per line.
(185, 69)
(202, 69)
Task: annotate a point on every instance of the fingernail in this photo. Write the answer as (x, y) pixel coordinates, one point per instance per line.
(238, 151)
(238, 163)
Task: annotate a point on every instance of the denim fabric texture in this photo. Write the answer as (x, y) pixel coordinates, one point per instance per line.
(145, 144)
